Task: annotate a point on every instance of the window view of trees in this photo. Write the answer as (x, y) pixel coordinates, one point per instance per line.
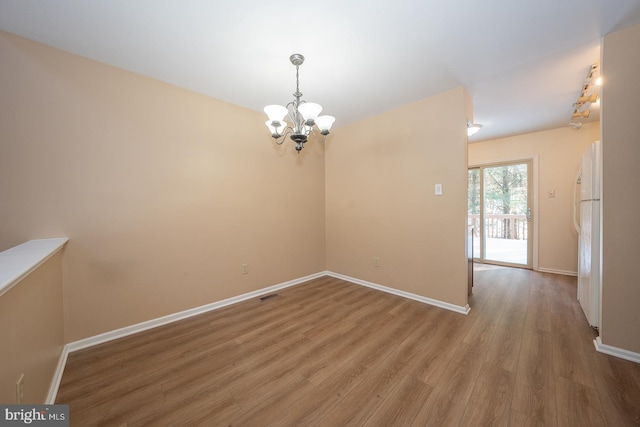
(499, 193)
(474, 209)
(474, 192)
(505, 199)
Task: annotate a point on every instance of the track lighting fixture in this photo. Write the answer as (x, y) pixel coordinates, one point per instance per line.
(581, 108)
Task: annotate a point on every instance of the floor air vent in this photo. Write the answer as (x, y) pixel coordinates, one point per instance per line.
(268, 297)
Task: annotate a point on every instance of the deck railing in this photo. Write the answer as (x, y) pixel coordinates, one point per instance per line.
(501, 226)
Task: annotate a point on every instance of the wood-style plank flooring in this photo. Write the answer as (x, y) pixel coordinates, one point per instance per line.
(332, 353)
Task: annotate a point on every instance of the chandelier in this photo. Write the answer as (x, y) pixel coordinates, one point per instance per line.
(303, 117)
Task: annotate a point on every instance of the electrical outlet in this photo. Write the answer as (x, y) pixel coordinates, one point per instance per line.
(244, 269)
(20, 389)
(376, 262)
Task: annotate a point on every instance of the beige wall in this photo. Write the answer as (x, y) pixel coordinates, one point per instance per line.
(380, 177)
(558, 154)
(32, 332)
(621, 180)
(163, 193)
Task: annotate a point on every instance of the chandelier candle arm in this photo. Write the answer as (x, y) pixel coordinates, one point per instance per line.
(303, 116)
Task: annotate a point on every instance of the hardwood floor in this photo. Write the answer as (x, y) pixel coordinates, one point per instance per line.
(332, 353)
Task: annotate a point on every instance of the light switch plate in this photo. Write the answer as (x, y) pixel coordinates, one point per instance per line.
(438, 189)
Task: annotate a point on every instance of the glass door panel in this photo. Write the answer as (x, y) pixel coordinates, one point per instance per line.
(499, 208)
(474, 210)
(505, 213)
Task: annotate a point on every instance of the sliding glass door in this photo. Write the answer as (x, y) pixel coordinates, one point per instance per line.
(500, 213)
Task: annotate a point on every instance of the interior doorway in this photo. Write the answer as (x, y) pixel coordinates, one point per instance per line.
(500, 212)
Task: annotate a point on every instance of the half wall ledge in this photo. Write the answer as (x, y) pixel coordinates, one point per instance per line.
(16, 263)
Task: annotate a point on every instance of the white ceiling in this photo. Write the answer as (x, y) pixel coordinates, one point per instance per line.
(522, 61)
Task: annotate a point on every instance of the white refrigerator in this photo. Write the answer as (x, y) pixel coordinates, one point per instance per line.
(590, 235)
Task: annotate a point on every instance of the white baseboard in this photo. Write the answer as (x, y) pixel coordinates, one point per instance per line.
(615, 351)
(563, 272)
(409, 295)
(57, 377)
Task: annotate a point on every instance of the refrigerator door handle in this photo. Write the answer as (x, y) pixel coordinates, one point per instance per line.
(577, 181)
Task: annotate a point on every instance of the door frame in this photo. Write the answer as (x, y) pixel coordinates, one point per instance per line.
(534, 194)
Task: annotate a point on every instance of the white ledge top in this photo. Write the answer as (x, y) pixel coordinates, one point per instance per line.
(16, 263)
